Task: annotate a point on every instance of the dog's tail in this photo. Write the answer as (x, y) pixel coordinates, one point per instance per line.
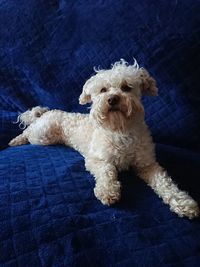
(29, 116)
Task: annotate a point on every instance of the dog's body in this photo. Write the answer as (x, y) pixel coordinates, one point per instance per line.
(112, 137)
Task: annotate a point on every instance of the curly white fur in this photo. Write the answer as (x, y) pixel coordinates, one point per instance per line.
(112, 137)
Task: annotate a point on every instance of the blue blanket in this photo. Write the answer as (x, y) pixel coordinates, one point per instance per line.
(48, 213)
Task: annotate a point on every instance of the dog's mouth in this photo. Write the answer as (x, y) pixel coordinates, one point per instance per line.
(117, 110)
(114, 109)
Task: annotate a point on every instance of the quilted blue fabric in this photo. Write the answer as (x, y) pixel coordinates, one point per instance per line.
(48, 213)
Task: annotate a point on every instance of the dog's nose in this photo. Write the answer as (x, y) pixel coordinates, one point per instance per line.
(113, 100)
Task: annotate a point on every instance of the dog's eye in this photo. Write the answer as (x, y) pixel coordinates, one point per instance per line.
(103, 90)
(126, 88)
(37, 114)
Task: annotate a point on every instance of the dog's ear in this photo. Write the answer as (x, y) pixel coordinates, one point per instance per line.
(85, 96)
(147, 83)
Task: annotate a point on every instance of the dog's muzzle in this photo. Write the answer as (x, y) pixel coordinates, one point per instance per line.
(113, 100)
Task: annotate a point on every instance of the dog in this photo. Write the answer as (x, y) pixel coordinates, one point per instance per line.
(112, 137)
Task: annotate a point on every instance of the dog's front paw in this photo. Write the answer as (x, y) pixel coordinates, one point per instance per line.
(184, 205)
(109, 193)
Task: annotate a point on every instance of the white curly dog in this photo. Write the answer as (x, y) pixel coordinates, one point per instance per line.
(112, 137)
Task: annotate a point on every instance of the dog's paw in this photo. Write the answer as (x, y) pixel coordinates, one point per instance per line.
(19, 140)
(13, 142)
(109, 193)
(184, 206)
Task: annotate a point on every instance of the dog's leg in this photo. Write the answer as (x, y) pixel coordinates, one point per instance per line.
(19, 140)
(180, 202)
(107, 188)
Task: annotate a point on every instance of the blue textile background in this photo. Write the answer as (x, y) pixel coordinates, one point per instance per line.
(48, 213)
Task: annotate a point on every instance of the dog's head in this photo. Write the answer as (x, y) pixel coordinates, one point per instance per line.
(116, 93)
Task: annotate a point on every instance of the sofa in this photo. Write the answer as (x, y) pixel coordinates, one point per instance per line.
(49, 215)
